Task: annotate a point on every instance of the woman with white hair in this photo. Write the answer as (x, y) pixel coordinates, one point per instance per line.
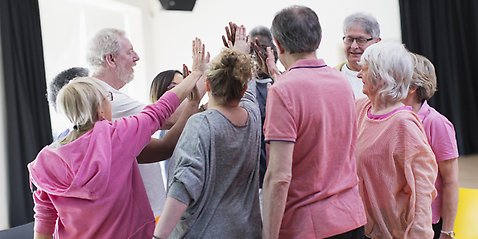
(395, 164)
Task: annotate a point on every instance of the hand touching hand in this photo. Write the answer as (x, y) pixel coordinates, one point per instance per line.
(241, 41)
(230, 34)
(200, 57)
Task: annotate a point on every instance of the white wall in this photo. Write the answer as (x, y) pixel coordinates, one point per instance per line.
(163, 38)
(3, 154)
(174, 30)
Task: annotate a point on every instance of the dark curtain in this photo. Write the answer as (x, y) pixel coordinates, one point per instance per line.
(28, 121)
(446, 32)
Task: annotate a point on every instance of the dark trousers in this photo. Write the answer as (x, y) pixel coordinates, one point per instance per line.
(437, 229)
(357, 233)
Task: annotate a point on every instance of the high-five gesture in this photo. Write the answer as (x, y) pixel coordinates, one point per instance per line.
(230, 37)
(200, 56)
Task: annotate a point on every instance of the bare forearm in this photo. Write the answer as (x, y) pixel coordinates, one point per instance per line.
(448, 170)
(169, 123)
(162, 149)
(175, 116)
(449, 205)
(275, 197)
(173, 209)
(41, 236)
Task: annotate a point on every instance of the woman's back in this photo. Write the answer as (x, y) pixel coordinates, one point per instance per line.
(220, 178)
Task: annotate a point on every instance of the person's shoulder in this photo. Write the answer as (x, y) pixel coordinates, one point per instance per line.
(200, 118)
(362, 102)
(406, 120)
(435, 117)
(340, 66)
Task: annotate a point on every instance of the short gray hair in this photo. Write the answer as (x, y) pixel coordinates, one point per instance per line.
(390, 66)
(103, 43)
(424, 77)
(366, 21)
(297, 29)
(61, 80)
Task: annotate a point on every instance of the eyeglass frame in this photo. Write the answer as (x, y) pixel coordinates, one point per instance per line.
(357, 40)
(109, 96)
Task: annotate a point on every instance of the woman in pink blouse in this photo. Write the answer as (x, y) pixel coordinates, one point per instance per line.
(395, 164)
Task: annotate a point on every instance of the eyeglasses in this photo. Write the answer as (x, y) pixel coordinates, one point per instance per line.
(109, 96)
(360, 40)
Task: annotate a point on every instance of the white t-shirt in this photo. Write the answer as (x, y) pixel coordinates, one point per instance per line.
(356, 82)
(123, 106)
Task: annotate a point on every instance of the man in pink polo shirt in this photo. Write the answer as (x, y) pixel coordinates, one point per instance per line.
(310, 187)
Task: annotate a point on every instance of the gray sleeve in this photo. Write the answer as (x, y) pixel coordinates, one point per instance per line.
(249, 100)
(191, 156)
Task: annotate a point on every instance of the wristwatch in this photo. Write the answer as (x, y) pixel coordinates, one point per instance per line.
(449, 233)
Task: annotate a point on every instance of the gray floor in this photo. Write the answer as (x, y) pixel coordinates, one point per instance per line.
(468, 175)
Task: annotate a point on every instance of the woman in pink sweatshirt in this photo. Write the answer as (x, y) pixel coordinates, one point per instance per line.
(88, 184)
(395, 164)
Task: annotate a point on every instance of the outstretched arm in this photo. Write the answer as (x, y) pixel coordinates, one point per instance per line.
(201, 85)
(161, 149)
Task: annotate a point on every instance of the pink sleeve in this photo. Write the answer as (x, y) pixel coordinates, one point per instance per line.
(420, 172)
(136, 131)
(279, 124)
(442, 138)
(45, 213)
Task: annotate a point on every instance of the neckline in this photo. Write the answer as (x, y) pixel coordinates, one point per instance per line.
(230, 122)
(386, 115)
(307, 67)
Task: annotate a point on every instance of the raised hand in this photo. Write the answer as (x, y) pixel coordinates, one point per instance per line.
(241, 41)
(261, 55)
(272, 69)
(200, 57)
(230, 34)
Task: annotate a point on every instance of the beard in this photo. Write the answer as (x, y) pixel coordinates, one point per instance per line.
(124, 75)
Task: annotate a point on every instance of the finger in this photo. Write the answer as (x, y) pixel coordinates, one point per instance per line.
(224, 41)
(233, 28)
(228, 33)
(208, 57)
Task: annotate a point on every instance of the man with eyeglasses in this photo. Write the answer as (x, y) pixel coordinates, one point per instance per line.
(360, 31)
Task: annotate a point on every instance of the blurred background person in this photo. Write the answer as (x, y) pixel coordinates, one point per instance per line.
(311, 186)
(395, 164)
(164, 81)
(360, 31)
(261, 37)
(58, 82)
(441, 137)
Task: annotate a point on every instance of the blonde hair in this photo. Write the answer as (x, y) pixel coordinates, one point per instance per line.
(424, 77)
(80, 101)
(229, 74)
